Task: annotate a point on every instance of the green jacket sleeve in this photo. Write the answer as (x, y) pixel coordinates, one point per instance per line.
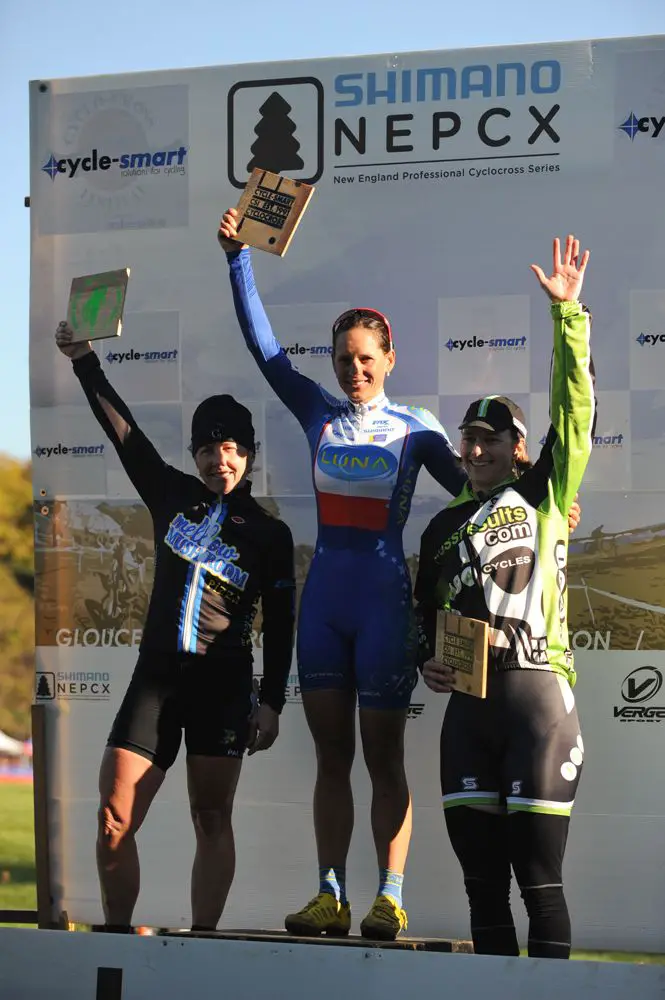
(572, 402)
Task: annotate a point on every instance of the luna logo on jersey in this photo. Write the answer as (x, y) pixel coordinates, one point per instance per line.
(354, 463)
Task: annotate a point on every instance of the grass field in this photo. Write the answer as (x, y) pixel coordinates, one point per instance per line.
(17, 865)
(17, 853)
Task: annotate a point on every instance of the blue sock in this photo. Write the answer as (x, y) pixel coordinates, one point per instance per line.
(390, 884)
(332, 879)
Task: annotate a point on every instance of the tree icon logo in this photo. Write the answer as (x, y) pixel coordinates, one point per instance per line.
(276, 147)
(276, 125)
(45, 690)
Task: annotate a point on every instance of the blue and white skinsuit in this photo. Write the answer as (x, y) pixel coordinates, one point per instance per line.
(356, 628)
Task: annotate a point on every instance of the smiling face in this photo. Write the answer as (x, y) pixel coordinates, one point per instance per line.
(223, 465)
(489, 456)
(361, 364)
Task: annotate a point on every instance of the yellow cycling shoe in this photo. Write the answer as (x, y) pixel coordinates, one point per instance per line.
(322, 915)
(384, 921)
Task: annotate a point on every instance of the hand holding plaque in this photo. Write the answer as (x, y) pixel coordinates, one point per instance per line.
(461, 647)
(96, 304)
(267, 215)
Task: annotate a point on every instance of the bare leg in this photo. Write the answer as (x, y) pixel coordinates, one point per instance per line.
(212, 783)
(331, 719)
(382, 735)
(128, 783)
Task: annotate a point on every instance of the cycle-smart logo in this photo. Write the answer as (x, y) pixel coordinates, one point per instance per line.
(603, 441)
(638, 690)
(491, 344)
(138, 164)
(641, 125)
(148, 357)
(650, 339)
(312, 351)
(70, 450)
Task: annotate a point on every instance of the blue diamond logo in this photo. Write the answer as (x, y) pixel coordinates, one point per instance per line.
(641, 340)
(51, 167)
(631, 126)
(450, 345)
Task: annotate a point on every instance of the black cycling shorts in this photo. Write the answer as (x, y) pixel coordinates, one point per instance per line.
(210, 700)
(518, 750)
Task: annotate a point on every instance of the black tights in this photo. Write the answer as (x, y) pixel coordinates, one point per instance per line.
(488, 846)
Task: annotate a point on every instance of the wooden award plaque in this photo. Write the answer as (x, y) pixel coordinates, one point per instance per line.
(461, 644)
(270, 208)
(96, 304)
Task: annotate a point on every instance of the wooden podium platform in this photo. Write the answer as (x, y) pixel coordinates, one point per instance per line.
(351, 941)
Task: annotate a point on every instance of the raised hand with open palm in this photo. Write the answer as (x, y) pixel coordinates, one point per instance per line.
(565, 282)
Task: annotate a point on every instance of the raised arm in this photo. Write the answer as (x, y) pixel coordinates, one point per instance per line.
(572, 402)
(149, 473)
(305, 398)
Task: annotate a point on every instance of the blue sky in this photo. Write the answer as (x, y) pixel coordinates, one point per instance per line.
(80, 38)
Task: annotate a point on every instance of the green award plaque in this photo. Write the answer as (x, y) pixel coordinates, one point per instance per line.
(96, 303)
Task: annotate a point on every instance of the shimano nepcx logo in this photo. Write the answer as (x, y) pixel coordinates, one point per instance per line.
(639, 687)
(75, 450)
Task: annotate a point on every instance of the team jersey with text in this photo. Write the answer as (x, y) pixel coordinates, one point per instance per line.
(365, 457)
(502, 557)
(214, 556)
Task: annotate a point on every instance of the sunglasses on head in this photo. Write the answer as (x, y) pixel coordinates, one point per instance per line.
(364, 311)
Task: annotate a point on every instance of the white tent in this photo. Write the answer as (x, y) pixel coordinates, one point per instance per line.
(10, 747)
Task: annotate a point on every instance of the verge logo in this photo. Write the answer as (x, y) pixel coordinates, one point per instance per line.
(75, 450)
(277, 125)
(640, 686)
(118, 357)
(646, 125)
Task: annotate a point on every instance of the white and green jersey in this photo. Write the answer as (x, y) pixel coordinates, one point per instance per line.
(502, 556)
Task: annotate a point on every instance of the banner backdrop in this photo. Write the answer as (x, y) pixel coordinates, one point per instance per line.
(440, 177)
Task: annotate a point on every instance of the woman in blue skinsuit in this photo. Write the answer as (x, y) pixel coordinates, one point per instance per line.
(366, 454)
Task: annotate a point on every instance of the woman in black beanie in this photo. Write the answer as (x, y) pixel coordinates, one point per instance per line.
(216, 553)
